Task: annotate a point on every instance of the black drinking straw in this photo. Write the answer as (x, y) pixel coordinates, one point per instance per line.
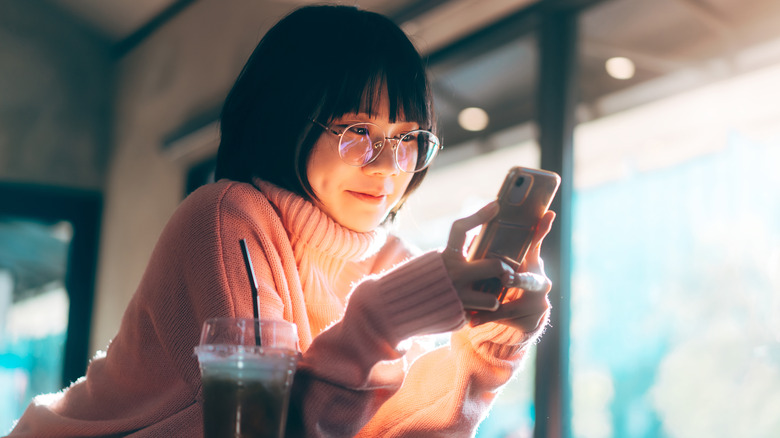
(253, 283)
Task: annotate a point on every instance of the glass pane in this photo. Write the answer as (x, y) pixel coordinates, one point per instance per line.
(675, 328)
(455, 190)
(498, 77)
(493, 75)
(33, 312)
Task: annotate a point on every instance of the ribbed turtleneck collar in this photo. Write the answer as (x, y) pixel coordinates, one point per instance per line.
(309, 225)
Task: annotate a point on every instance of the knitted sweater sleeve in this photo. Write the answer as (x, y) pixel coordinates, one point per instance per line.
(343, 390)
(447, 392)
(341, 382)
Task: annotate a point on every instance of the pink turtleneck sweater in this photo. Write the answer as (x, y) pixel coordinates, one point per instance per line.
(353, 297)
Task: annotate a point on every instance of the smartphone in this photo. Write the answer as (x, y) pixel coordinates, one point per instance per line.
(523, 199)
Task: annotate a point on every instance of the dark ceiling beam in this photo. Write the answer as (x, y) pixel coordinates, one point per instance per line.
(465, 49)
(503, 31)
(510, 28)
(123, 47)
(415, 10)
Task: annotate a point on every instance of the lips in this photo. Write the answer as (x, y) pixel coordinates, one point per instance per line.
(373, 198)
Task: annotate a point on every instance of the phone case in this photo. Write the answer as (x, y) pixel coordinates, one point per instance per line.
(524, 197)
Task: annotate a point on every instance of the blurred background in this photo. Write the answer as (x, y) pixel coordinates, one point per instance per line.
(662, 116)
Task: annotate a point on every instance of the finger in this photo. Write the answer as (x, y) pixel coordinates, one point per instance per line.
(486, 268)
(459, 228)
(521, 310)
(528, 304)
(545, 224)
(527, 324)
(529, 282)
(532, 261)
(473, 300)
(542, 229)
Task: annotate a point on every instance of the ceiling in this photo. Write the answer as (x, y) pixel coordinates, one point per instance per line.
(484, 53)
(436, 22)
(116, 19)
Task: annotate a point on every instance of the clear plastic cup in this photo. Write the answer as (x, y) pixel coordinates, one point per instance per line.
(247, 368)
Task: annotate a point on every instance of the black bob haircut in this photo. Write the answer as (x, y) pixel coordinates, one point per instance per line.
(317, 63)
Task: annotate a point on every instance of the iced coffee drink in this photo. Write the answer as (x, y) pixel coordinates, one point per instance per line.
(246, 387)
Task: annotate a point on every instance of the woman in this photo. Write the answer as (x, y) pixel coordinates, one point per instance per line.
(324, 135)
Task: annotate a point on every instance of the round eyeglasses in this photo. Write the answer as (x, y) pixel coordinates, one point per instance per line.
(361, 143)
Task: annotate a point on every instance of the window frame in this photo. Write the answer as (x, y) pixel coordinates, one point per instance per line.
(82, 209)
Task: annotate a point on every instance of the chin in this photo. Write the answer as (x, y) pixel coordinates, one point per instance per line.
(362, 225)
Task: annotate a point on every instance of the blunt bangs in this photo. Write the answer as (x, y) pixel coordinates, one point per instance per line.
(368, 57)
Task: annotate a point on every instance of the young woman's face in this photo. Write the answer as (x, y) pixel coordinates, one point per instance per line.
(358, 198)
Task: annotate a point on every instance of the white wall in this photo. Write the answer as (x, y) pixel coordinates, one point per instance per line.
(55, 98)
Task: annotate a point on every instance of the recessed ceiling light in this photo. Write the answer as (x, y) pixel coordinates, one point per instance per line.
(620, 67)
(473, 119)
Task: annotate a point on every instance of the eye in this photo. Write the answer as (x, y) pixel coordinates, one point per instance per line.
(409, 137)
(360, 130)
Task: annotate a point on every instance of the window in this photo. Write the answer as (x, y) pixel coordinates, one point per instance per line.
(494, 71)
(676, 296)
(34, 307)
(456, 190)
(676, 249)
(48, 251)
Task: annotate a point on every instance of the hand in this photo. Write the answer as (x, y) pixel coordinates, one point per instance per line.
(526, 305)
(463, 273)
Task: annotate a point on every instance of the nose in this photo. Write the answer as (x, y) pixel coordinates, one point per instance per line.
(384, 163)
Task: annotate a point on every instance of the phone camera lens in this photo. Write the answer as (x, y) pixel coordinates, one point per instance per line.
(519, 181)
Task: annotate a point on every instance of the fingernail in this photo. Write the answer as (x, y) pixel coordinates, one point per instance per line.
(524, 281)
(528, 281)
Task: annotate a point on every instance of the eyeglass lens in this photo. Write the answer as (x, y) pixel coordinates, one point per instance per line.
(361, 143)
